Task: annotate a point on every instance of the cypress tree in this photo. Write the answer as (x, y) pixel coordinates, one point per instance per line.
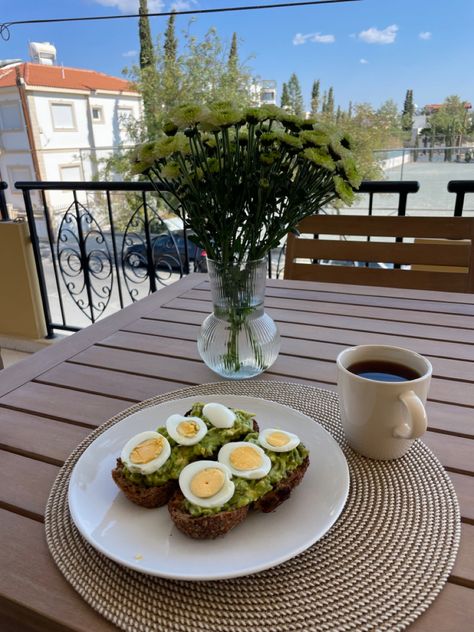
(147, 54)
(296, 95)
(315, 98)
(349, 110)
(330, 102)
(285, 96)
(233, 55)
(148, 74)
(338, 114)
(408, 111)
(324, 105)
(171, 44)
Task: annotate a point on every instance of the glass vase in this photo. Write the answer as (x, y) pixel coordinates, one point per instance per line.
(238, 340)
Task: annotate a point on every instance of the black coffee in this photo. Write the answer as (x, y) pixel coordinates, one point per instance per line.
(383, 371)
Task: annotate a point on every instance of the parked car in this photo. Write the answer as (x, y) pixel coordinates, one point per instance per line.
(168, 251)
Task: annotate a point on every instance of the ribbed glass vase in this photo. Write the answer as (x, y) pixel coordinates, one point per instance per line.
(238, 340)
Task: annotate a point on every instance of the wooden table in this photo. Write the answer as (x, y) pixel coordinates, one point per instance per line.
(52, 400)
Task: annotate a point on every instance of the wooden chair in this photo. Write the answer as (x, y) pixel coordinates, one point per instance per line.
(303, 255)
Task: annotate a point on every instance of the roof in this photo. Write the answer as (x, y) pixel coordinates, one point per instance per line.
(61, 77)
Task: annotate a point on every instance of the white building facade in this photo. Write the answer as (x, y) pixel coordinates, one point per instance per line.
(57, 123)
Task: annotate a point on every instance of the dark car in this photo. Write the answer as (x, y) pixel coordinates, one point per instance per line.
(168, 251)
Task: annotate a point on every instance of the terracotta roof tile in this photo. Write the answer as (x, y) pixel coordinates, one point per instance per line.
(61, 77)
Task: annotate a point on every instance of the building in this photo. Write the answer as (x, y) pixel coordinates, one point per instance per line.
(264, 92)
(56, 123)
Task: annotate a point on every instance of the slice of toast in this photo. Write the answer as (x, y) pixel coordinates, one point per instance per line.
(203, 527)
(149, 497)
(282, 490)
(210, 527)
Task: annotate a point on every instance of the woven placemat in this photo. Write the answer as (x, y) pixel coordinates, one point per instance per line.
(378, 569)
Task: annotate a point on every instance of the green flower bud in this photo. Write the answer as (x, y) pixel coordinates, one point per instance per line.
(320, 158)
(187, 115)
(343, 190)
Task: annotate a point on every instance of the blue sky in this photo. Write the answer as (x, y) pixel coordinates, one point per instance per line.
(369, 51)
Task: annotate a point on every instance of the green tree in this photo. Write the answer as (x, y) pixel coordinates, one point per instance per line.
(295, 96)
(349, 110)
(285, 97)
(232, 63)
(389, 117)
(330, 102)
(147, 65)
(315, 98)
(452, 122)
(324, 104)
(408, 111)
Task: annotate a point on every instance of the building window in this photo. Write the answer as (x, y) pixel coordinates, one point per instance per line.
(70, 173)
(125, 117)
(268, 96)
(10, 117)
(97, 114)
(63, 116)
(18, 174)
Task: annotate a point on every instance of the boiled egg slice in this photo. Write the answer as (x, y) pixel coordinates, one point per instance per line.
(219, 415)
(245, 459)
(206, 483)
(146, 452)
(186, 430)
(278, 440)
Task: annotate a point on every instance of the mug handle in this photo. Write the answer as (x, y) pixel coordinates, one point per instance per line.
(417, 420)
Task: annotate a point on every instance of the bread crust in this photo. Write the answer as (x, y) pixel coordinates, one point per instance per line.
(149, 497)
(203, 527)
(281, 492)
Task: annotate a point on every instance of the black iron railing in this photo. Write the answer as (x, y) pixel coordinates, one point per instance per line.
(460, 188)
(90, 258)
(3, 202)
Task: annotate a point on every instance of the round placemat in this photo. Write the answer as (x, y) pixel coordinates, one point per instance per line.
(377, 570)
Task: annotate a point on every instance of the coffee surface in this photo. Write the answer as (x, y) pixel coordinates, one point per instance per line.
(383, 371)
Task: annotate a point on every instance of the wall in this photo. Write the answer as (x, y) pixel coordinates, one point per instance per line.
(14, 150)
(21, 312)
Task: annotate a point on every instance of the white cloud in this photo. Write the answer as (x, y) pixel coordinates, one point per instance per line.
(377, 36)
(425, 35)
(131, 6)
(182, 5)
(299, 38)
(363, 61)
(130, 53)
(323, 39)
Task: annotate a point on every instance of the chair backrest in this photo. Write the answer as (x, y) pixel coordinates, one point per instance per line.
(303, 255)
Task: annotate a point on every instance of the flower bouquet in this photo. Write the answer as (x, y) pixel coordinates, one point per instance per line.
(241, 180)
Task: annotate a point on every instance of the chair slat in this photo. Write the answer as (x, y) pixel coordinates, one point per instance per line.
(451, 254)
(439, 281)
(454, 251)
(445, 227)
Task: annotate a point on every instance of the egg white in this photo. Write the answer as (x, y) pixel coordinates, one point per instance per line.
(259, 472)
(172, 424)
(291, 445)
(219, 415)
(222, 496)
(154, 464)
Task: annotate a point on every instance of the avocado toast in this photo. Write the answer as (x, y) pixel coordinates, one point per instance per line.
(262, 481)
(154, 488)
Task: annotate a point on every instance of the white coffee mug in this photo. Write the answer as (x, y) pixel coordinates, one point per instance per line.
(381, 419)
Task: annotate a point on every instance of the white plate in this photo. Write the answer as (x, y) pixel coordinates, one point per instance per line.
(146, 540)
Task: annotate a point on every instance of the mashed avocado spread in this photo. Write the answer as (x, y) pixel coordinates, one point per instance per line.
(248, 491)
(207, 448)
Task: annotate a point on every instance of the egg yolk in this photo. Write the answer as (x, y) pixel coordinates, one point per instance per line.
(207, 482)
(188, 428)
(278, 439)
(245, 458)
(147, 450)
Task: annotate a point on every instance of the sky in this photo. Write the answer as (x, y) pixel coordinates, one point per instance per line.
(369, 51)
